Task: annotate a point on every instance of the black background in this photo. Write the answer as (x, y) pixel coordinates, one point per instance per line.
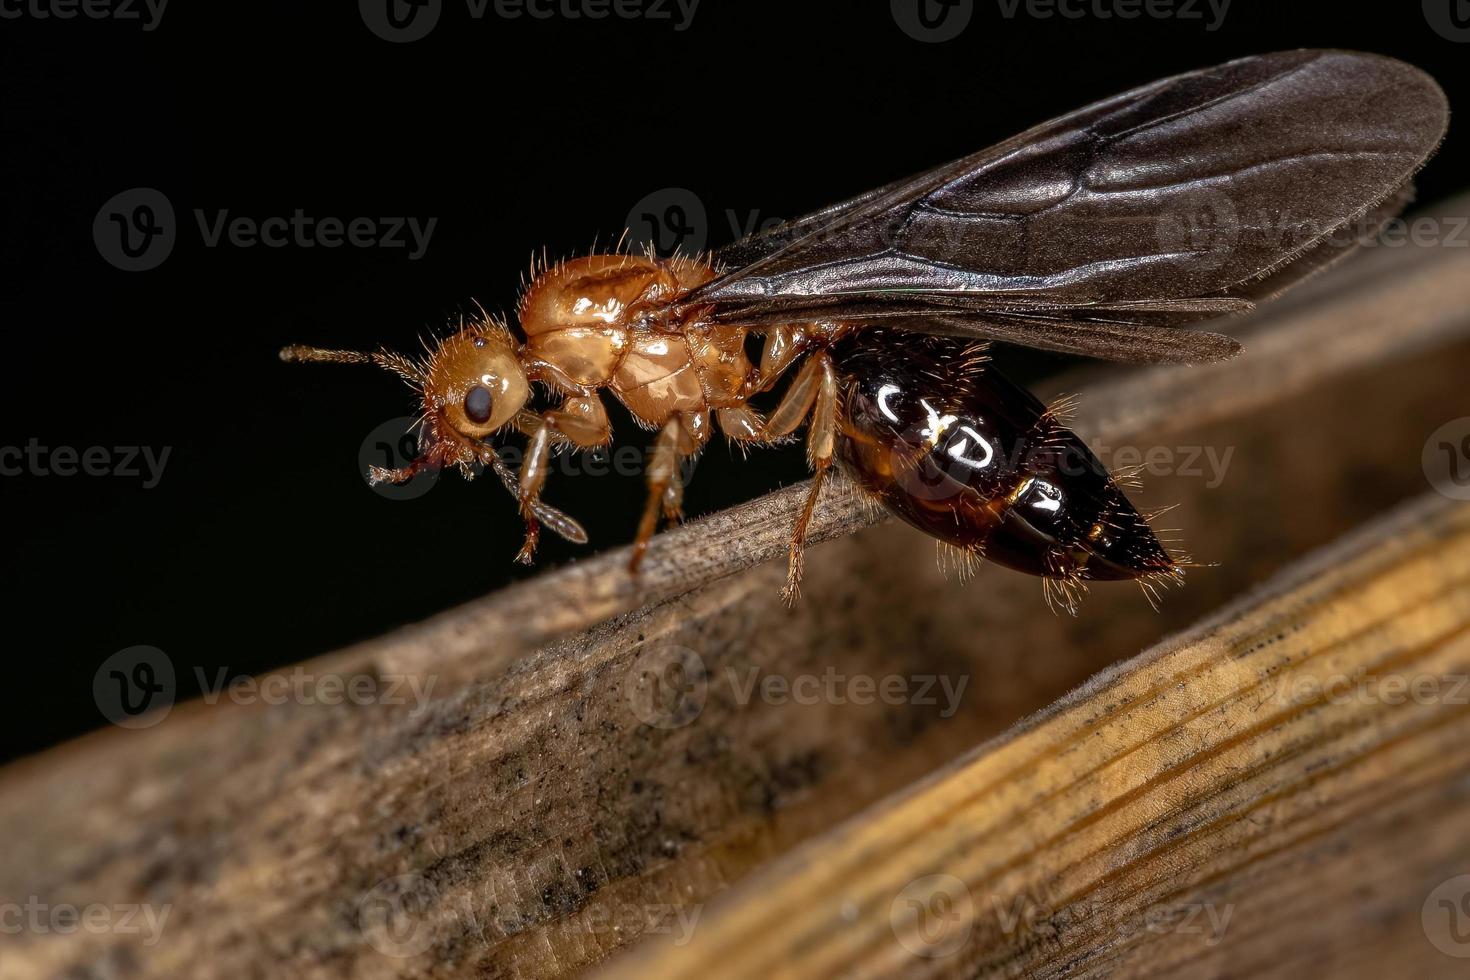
(261, 544)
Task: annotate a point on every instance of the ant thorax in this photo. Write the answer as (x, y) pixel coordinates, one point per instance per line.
(607, 321)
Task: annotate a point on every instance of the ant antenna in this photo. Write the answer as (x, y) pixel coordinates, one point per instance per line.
(389, 361)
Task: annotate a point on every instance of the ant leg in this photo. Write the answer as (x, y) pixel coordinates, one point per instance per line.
(821, 444)
(532, 479)
(682, 435)
(673, 502)
(784, 344)
(813, 393)
(378, 474)
(741, 424)
(565, 526)
(663, 464)
(695, 427)
(580, 421)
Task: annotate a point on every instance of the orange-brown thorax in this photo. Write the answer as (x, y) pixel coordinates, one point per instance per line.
(607, 321)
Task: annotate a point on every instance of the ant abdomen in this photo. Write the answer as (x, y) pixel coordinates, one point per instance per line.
(959, 451)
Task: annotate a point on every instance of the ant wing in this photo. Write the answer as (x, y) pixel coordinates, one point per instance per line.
(1117, 333)
(1100, 232)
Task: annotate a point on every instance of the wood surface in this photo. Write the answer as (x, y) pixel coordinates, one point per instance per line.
(1283, 788)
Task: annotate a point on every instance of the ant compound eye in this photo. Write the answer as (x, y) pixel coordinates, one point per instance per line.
(477, 405)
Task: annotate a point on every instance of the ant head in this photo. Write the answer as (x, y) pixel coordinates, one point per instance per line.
(474, 380)
(472, 384)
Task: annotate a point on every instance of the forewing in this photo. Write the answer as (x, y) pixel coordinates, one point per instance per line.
(1205, 184)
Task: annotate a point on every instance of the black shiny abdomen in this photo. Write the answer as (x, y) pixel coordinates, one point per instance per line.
(959, 451)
